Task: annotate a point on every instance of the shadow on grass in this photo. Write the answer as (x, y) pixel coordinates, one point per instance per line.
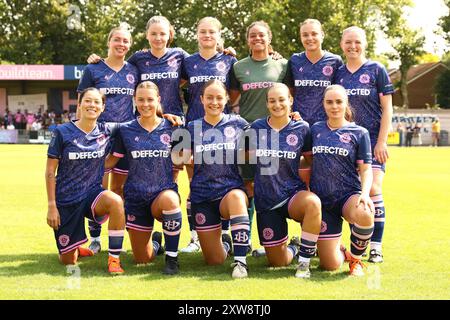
(191, 266)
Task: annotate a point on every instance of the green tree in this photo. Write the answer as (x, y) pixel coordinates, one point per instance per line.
(442, 88)
(408, 44)
(57, 31)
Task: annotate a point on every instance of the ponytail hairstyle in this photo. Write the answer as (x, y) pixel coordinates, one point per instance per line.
(309, 20)
(152, 86)
(356, 29)
(348, 109)
(216, 23)
(124, 27)
(162, 20)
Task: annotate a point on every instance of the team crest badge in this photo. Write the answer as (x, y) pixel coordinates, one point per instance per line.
(327, 71)
(345, 138)
(292, 139)
(64, 240)
(229, 132)
(221, 66)
(165, 138)
(131, 218)
(268, 233)
(130, 78)
(323, 227)
(364, 78)
(200, 218)
(101, 140)
(172, 62)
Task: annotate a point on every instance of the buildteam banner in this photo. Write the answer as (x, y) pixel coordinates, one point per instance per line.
(41, 72)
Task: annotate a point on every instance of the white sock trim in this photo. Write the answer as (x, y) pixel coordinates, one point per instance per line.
(241, 259)
(172, 254)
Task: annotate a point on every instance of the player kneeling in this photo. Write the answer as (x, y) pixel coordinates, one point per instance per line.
(77, 152)
(278, 143)
(341, 177)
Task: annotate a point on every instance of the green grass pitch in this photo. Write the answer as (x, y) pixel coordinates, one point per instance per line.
(416, 245)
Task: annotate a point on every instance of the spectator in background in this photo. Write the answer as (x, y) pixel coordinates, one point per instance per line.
(409, 134)
(416, 135)
(18, 122)
(36, 126)
(29, 118)
(435, 132)
(65, 117)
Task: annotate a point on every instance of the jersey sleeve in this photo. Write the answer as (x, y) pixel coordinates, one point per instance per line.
(234, 82)
(307, 144)
(118, 149)
(384, 84)
(288, 78)
(364, 153)
(55, 147)
(133, 59)
(87, 80)
(339, 64)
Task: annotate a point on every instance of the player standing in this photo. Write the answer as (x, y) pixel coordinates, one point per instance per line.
(370, 94)
(209, 63)
(280, 194)
(77, 151)
(251, 78)
(117, 79)
(341, 176)
(310, 72)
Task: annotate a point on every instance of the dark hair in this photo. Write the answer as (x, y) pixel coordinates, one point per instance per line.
(152, 86)
(348, 110)
(211, 82)
(82, 93)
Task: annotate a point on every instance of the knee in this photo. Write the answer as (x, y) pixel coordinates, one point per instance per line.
(236, 197)
(214, 260)
(115, 202)
(314, 208)
(330, 264)
(376, 188)
(365, 218)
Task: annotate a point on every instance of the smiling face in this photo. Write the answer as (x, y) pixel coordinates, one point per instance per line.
(335, 103)
(158, 35)
(214, 99)
(353, 44)
(147, 102)
(91, 105)
(279, 102)
(258, 38)
(208, 35)
(119, 43)
(311, 36)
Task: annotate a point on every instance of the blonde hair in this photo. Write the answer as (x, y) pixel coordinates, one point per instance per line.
(311, 21)
(162, 20)
(348, 109)
(152, 86)
(124, 28)
(216, 23)
(356, 29)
